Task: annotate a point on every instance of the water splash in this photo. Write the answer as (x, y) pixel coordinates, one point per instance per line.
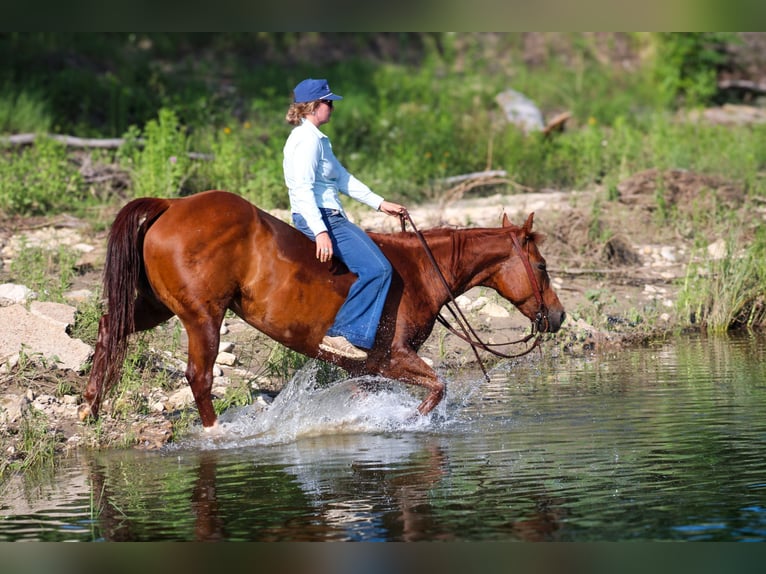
(305, 408)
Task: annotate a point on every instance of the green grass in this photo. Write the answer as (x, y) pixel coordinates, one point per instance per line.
(728, 292)
(47, 272)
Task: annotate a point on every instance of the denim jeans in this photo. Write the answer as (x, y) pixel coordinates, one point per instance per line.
(358, 317)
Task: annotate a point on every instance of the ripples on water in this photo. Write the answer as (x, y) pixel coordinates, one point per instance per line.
(662, 443)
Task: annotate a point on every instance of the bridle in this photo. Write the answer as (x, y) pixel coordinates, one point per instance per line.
(539, 325)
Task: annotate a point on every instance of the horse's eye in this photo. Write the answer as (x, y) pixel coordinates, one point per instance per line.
(541, 266)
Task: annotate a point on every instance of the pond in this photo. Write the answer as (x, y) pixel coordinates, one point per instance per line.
(666, 442)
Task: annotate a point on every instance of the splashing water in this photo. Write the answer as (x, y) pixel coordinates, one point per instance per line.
(306, 409)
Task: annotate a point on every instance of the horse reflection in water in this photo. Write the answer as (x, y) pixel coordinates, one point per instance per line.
(233, 498)
(199, 256)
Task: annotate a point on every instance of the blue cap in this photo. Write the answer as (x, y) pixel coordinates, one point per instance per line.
(309, 90)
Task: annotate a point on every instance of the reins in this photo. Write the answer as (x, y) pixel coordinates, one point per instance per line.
(468, 334)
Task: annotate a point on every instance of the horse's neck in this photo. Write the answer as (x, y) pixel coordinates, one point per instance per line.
(464, 256)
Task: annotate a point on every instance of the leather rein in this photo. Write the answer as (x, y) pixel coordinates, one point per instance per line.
(468, 334)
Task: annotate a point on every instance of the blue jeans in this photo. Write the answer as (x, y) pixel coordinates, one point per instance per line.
(358, 317)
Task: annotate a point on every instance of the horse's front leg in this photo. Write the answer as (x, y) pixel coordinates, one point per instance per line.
(405, 365)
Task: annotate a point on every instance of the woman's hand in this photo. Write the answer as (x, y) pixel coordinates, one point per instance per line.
(391, 208)
(324, 247)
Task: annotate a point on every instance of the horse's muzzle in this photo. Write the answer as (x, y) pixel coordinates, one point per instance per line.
(547, 321)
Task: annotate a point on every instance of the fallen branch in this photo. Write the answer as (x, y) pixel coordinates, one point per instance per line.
(747, 85)
(71, 141)
(77, 142)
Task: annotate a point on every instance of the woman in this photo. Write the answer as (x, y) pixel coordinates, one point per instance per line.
(314, 177)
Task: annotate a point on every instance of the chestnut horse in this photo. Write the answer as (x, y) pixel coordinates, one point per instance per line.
(200, 255)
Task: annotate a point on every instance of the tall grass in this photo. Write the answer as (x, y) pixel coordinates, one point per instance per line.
(727, 292)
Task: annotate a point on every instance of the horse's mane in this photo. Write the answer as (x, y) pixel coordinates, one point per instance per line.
(439, 232)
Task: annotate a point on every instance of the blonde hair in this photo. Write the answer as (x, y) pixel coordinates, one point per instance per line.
(296, 112)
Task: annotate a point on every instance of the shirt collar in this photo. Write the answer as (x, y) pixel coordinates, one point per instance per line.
(309, 126)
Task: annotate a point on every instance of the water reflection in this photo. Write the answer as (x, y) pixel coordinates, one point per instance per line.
(347, 488)
(661, 443)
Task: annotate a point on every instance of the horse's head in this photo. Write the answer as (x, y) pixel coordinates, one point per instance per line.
(523, 279)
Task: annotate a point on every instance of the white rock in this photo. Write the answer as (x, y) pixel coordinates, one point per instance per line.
(463, 301)
(479, 303)
(57, 313)
(14, 293)
(12, 407)
(717, 249)
(225, 347)
(41, 336)
(78, 295)
(520, 110)
(494, 310)
(227, 359)
(180, 399)
(668, 254)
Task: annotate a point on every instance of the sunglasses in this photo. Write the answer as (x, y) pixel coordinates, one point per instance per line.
(328, 102)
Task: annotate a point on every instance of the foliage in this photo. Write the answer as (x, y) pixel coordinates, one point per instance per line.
(687, 65)
(39, 180)
(23, 112)
(86, 320)
(161, 165)
(727, 292)
(47, 272)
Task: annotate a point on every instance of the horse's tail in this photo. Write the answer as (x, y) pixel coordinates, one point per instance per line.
(122, 272)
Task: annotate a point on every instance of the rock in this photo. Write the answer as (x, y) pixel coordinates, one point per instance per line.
(668, 253)
(463, 301)
(495, 311)
(12, 407)
(78, 295)
(12, 293)
(46, 336)
(58, 314)
(182, 398)
(520, 111)
(225, 347)
(717, 249)
(227, 359)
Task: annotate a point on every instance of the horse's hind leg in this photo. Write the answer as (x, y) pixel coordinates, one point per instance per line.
(104, 373)
(204, 338)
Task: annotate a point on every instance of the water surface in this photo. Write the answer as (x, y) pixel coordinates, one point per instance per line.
(660, 443)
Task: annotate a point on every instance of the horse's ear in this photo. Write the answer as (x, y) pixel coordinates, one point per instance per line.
(506, 221)
(528, 225)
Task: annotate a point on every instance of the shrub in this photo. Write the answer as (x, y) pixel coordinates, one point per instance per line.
(39, 179)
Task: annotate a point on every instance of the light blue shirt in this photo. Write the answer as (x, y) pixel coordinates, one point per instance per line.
(314, 176)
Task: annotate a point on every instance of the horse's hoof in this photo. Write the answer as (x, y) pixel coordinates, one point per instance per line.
(84, 412)
(213, 429)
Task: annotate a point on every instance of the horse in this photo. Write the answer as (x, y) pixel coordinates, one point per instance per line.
(200, 255)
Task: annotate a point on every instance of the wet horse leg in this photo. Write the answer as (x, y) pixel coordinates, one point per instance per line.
(204, 337)
(411, 369)
(105, 372)
(436, 389)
